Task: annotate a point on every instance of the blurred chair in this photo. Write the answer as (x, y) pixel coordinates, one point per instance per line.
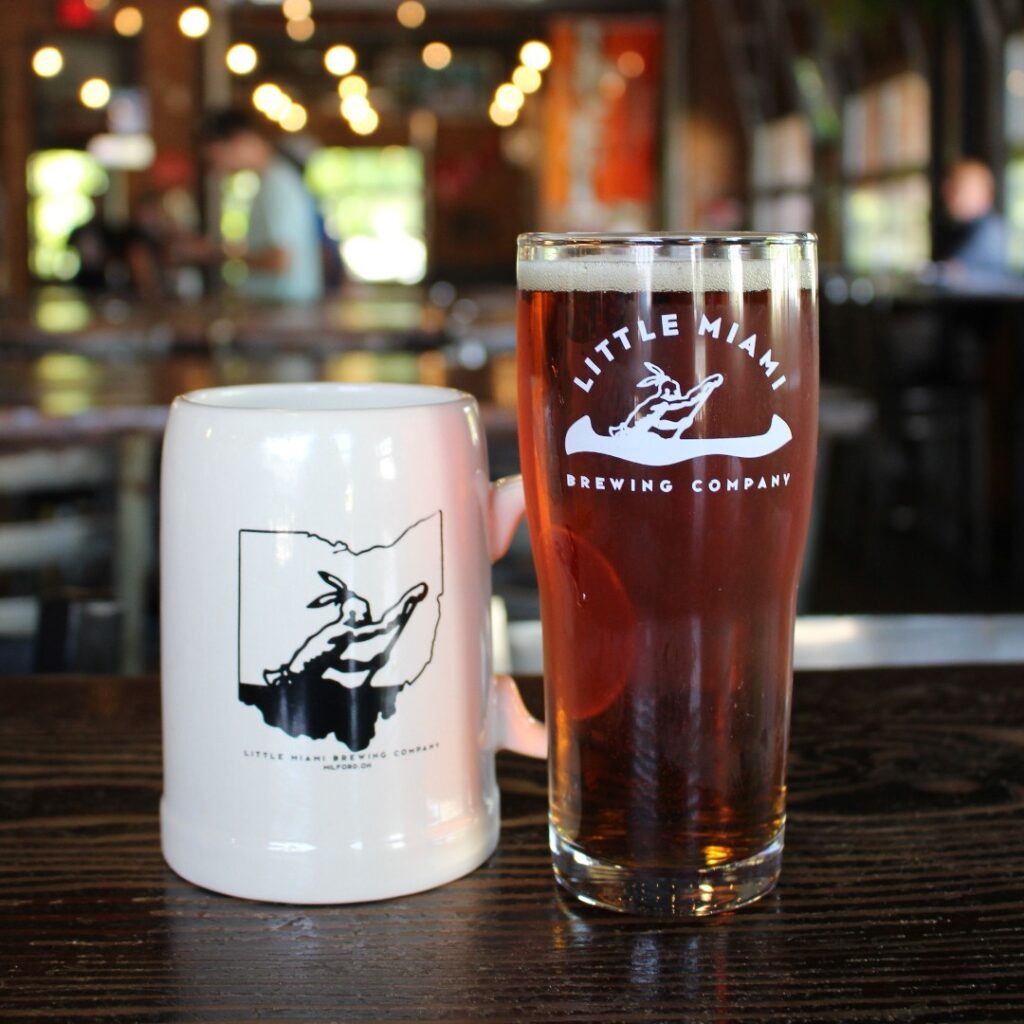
(56, 542)
(846, 419)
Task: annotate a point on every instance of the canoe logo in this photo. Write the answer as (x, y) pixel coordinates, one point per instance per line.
(652, 434)
(328, 636)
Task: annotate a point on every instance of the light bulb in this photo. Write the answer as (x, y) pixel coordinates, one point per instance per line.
(194, 22)
(95, 93)
(241, 59)
(535, 54)
(47, 61)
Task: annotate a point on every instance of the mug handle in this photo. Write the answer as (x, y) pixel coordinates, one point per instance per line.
(517, 729)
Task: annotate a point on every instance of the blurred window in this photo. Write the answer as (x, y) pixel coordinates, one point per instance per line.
(782, 171)
(1014, 131)
(887, 199)
(886, 224)
(62, 187)
(372, 201)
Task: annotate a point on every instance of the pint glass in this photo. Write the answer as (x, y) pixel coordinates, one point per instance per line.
(668, 392)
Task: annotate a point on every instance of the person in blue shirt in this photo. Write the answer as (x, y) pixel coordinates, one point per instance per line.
(283, 246)
(974, 237)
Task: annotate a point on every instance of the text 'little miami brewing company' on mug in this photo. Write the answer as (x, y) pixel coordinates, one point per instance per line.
(330, 719)
(668, 391)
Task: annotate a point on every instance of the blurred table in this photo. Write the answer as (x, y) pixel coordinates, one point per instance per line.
(65, 320)
(902, 895)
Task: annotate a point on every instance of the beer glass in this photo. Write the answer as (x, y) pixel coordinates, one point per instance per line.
(668, 392)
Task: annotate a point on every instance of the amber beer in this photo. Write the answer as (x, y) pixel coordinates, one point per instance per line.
(668, 420)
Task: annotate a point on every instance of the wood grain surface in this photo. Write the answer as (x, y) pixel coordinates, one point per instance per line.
(902, 895)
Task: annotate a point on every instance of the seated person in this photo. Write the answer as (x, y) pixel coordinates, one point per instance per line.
(973, 236)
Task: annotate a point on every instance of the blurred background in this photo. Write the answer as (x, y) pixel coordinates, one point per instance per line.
(250, 190)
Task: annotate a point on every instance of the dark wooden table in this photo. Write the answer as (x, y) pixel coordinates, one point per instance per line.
(902, 897)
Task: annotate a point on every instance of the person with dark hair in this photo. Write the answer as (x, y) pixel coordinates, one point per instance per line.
(282, 248)
(974, 236)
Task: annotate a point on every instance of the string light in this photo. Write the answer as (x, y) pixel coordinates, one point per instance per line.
(340, 59)
(94, 93)
(502, 116)
(294, 119)
(535, 54)
(411, 14)
(437, 56)
(508, 97)
(241, 59)
(47, 61)
(264, 95)
(194, 22)
(128, 21)
(367, 124)
(270, 99)
(525, 79)
(297, 10)
(354, 107)
(300, 29)
(280, 111)
(352, 85)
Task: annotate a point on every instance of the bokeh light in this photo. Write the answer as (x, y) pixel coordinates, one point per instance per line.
(295, 118)
(194, 22)
(535, 54)
(280, 110)
(354, 107)
(366, 124)
(352, 85)
(411, 14)
(265, 96)
(502, 116)
(525, 79)
(95, 93)
(508, 97)
(47, 61)
(437, 56)
(241, 59)
(128, 21)
(340, 59)
(300, 29)
(631, 64)
(297, 10)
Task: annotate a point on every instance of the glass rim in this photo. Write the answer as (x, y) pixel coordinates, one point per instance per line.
(557, 239)
(285, 397)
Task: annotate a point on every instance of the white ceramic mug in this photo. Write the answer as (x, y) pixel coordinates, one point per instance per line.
(330, 718)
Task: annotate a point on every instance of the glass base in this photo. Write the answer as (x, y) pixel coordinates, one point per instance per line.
(697, 893)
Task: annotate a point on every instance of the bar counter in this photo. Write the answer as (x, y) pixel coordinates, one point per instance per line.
(902, 894)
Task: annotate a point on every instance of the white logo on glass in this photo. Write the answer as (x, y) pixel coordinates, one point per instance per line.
(652, 434)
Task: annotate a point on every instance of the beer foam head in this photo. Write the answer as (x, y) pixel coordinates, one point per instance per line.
(639, 269)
